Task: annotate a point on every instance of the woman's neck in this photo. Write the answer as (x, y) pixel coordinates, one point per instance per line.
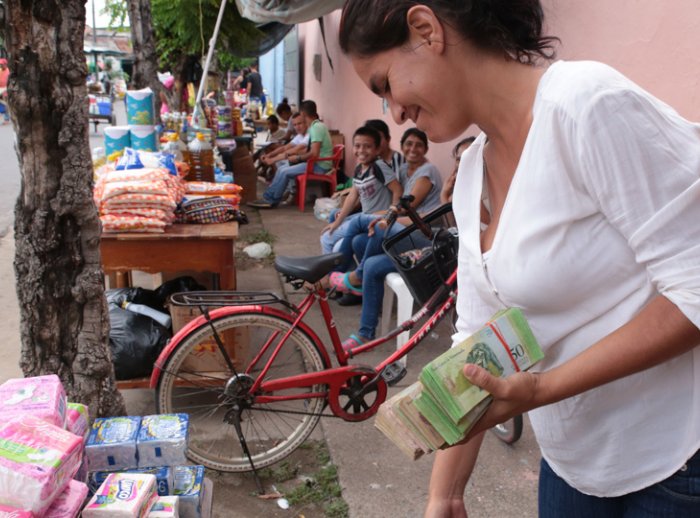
(412, 166)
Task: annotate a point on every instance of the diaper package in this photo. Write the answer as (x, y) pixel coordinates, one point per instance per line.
(111, 443)
(77, 419)
(164, 479)
(162, 440)
(68, 503)
(123, 495)
(41, 396)
(37, 461)
(9, 512)
(165, 507)
(189, 486)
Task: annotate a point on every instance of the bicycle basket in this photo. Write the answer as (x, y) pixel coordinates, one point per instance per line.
(425, 265)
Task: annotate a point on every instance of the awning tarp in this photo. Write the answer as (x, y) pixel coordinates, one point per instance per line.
(288, 12)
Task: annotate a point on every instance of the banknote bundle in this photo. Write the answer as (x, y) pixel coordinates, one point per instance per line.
(442, 406)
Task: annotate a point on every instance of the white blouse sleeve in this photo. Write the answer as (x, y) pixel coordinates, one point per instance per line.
(641, 162)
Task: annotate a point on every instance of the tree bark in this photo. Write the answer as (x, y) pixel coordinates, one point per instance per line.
(145, 72)
(60, 284)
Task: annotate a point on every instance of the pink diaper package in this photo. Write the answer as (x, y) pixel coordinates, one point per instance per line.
(69, 503)
(37, 460)
(77, 419)
(41, 396)
(165, 507)
(123, 495)
(9, 512)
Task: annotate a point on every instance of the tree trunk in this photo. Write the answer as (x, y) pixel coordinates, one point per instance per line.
(60, 284)
(145, 72)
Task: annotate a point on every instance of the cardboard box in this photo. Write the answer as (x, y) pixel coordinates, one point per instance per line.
(245, 175)
(206, 356)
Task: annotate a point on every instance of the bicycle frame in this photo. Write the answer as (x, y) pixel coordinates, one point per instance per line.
(332, 377)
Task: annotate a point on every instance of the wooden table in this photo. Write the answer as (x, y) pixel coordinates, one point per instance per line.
(203, 248)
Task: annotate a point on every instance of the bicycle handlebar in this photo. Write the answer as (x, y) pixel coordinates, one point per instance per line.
(405, 204)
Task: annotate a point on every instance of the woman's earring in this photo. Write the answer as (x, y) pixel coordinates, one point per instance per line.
(385, 106)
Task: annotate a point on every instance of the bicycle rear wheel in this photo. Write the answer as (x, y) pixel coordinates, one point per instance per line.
(197, 381)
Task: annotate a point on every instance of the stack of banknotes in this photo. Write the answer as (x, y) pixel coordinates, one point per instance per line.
(442, 406)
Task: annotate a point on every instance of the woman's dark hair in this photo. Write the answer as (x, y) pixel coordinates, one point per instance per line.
(283, 107)
(464, 141)
(510, 27)
(272, 119)
(368, 131)
(416, 133)
(380, 126)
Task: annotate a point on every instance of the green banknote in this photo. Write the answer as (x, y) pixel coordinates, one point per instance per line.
(504, 346)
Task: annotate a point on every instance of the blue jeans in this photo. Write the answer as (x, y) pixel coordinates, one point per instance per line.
(676, 497)
(273, 194)
(328, 239)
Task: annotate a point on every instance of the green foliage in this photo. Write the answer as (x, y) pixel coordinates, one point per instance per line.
(184, 27)
(117, 10)
(323, 488)
(230, 62)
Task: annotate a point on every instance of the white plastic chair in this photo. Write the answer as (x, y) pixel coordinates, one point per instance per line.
(395, 287)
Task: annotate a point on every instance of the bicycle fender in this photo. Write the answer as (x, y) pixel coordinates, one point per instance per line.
(231, 310)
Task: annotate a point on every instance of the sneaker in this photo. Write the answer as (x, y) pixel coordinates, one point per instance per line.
(261, 204)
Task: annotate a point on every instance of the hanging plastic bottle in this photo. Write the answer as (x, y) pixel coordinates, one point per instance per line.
(200, 159)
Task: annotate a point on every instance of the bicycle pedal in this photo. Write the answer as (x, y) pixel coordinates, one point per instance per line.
(393, 373)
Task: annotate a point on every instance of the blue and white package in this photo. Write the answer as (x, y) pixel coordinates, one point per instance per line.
(111, 444)
(129, 160)
(117, 138)
(143, 138)
(189, 486)
(165, 480)
(140, 109)
(162, 440)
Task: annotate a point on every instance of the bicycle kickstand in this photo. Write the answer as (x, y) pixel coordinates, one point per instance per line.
(241, 438)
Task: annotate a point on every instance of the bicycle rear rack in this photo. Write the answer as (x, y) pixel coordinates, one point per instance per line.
(203, 299)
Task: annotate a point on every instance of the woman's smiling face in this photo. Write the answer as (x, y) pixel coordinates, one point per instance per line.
(414, 149)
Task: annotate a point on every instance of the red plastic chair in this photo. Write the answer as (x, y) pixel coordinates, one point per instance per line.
(330, 177)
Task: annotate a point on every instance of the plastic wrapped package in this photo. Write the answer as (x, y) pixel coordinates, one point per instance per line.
(123, 495)
(189, 487)
(11, 512)
(165, 481)
(68, 503)
(77, 419)
(111, 444)
(37, 461)
(165, 507)
(41, 396)
(162, 440)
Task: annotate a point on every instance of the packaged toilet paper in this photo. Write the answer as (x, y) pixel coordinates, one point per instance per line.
(162, 440)
(111, 443)
(165, 507)
(117, 138)
(143, 138)
(123, 495)
(69, 503)
(140, 109)
(189, 486)
(37, 461)
(41, 396)
(77, 419)
(165, 480)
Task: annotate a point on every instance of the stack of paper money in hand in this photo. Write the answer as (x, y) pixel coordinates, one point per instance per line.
(443, 405)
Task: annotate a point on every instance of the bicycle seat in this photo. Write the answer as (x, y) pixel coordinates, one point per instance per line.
(310, 269)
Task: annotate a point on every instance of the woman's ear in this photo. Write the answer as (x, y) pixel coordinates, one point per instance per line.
(425, 29)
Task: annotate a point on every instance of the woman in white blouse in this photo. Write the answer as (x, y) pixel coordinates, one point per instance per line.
(593, 191)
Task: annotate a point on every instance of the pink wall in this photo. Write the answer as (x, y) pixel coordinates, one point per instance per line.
(656, 44)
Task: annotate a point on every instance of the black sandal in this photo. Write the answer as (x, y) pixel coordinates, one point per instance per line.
(393, 373)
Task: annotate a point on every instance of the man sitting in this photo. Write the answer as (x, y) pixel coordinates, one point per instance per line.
(277, 156)
(319, 146)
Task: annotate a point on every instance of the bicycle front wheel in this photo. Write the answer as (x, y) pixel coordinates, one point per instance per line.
(197, 381)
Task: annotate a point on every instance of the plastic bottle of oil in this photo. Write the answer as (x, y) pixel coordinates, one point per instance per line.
(201, 160)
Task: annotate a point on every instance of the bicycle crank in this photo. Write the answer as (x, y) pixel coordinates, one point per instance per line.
(357, 395)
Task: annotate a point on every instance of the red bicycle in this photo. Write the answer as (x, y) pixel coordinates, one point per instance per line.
(255, 378)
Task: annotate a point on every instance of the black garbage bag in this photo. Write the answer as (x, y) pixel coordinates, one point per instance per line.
(149, 298)
(135, 341)
(184, 283)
